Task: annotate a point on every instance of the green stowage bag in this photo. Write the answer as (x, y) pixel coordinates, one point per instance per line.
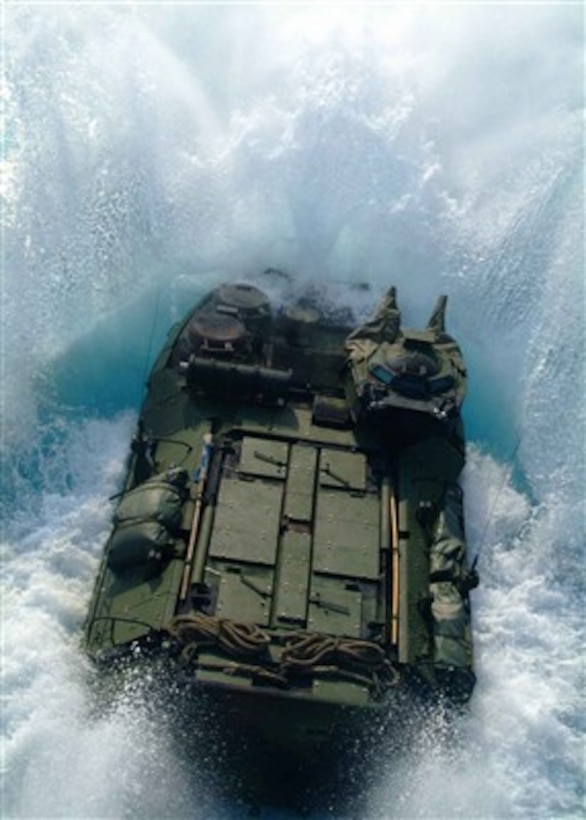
(450, 609)
(146, 521)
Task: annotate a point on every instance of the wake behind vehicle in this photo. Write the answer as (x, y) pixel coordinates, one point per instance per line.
(290, 530)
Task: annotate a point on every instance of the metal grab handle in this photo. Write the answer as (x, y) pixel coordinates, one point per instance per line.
(203, 473)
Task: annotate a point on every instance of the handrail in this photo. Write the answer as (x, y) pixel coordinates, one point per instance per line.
(203, 474)
(394, 566)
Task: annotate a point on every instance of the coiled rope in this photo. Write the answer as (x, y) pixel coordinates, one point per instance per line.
(306, 650)
(239, 639)
(303, 653)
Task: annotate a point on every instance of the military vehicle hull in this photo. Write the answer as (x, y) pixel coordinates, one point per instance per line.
(290, 532)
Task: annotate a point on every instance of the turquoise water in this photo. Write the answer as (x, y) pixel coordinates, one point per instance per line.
(151, 151)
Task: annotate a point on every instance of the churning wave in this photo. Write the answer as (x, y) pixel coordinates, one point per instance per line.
(151, 151)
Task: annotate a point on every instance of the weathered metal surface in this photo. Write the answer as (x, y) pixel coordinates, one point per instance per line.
(347, 534)
(247, 521)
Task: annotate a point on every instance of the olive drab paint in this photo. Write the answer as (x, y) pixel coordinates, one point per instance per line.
(291, 522)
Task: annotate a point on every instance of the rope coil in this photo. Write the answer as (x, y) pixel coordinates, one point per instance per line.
(362, 662)
(306, 650)
(239, 639)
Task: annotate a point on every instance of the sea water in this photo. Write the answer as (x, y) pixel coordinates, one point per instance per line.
(150, 151)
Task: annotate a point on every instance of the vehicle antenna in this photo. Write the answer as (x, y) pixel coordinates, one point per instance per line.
(151, 337)
(496, 498)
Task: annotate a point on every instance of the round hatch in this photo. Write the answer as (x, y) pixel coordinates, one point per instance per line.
(246, 302)
(406, 372)
(412, 364)
(247, 299)
(215, 331)
(302, 313)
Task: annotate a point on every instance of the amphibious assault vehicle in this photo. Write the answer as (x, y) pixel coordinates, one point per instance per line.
(290, 531)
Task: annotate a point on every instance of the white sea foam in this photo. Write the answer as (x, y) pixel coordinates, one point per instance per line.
(153, 150)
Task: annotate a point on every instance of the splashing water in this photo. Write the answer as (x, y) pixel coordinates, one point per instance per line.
(150, 151)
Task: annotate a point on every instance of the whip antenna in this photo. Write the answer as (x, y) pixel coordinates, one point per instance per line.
(152, 336)
(496, 498)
